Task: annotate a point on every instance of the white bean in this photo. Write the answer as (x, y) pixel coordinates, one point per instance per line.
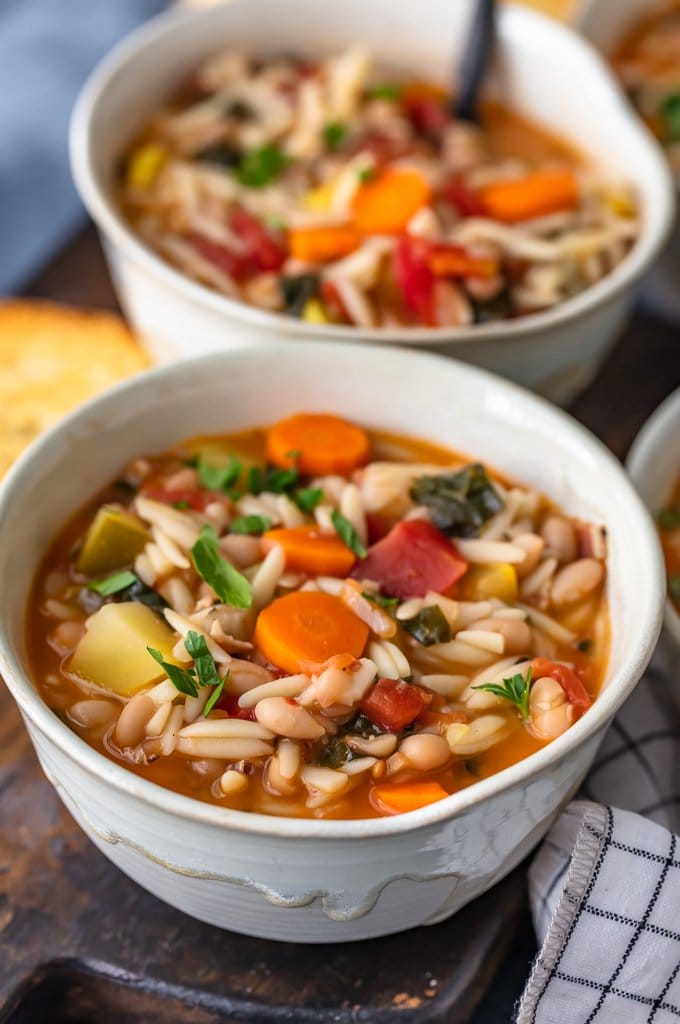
(575, 581)
(515, 632)
(89, 713)
(286, 718)
(560, 537)
(481, 734)
(132, 719)
(425, 751)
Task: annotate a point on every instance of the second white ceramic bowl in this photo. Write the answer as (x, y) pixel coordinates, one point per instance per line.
(310, 880)
(543, 70)
(654, 465)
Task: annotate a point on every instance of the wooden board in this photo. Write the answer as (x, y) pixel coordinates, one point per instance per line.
(79, 942)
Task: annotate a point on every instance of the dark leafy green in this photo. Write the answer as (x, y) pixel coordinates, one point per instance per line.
(347, 534)
(334, 135)
(387, 603)
(228, 583)
(296, 292)
(516, 689)
(459, 503)
(361, 725)
(500, 307)
(221, 153)
(239, 110)
(250, 524)
(262, 166)
(112, 584)
(429, 626)
(143, 594)
(272, 479)
(335, 753)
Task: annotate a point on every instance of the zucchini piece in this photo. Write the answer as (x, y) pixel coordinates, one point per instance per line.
(113, 650)
(113, 541)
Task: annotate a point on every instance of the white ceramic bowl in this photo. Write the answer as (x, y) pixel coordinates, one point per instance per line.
(606, 26)
(654, 464)
(312, 880)
(543, 70)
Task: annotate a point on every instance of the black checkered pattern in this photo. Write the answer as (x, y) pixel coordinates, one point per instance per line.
(605, 885)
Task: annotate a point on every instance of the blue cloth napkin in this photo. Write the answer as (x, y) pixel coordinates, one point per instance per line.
(47, 49)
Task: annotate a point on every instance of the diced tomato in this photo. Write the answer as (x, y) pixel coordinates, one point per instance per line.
(393, 704)
(427, 115)
(266, 249)
(378, 526)
(229, 702)
(333, 301)
(413, 558)
(573, 687)
(237, 265)
(196, 500)
(464, 199)
(414, 277)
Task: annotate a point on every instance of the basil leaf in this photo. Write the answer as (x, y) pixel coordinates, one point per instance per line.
(218, 478)
(214, 696)
(334, 134)
(230, 586)
(459, 503)
(307, 498)
(347, 534)
(429, 626)
(260, 167)
(112, 584)
(669, 518)
(182, 679)
(296, 292)
(516, 689)
(250, 524)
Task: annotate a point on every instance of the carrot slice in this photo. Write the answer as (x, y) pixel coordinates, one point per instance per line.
(322, 244)
(408, 796)
(386, 204)
(307, 626)
(317, 444)
(309, 550)
(533, 196)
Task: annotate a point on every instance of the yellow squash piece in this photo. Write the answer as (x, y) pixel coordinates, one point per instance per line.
(315, 313)
(482, 582)
(145, 165)
(113, 541)
(320, 199)
(113, 651)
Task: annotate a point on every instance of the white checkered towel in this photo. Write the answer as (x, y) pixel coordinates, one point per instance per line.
(605, 884)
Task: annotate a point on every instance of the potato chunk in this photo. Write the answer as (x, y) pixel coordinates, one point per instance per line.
(113, 541)
(113, 651)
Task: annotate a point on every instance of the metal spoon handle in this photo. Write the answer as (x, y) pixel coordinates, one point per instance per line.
(476, 60)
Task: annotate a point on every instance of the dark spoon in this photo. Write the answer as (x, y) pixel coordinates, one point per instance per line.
(476, 59)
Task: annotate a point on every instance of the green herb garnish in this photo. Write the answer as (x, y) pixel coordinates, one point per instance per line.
(347, 534)
(429, 626)
(384, 91)
(669, 518)
(181, 504)
(204, 663)
(334, 134)
(516, 689)
(218, 478)
(112, 584)
(459, 503)
(272, 479)
(182, 679)
(669, 117)
(214, 696)
(250, 524)
(260, 167)
(228, 583)
(674, 587)
(296, 292)
(388, 603)
(307, 498)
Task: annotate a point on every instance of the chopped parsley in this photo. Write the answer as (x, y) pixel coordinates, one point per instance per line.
(429, 626)
(228, 583)
(516, 689)
(334, 135)
(112, 584)
(262, 166)
(250, 524)
(218, 478)
(347, 534)
(459, 503)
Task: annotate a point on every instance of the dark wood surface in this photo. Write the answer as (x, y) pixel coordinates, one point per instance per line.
(81, 943)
